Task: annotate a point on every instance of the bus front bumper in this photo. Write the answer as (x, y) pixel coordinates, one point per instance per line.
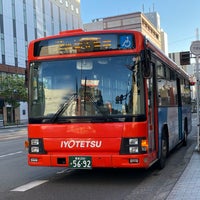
(97, 161)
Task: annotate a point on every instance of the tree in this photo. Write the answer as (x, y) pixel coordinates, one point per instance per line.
(13, 90)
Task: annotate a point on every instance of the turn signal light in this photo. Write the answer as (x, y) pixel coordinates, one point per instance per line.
(144, 145)
(26, 144)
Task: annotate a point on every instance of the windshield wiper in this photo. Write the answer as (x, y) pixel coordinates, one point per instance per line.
(63, 108)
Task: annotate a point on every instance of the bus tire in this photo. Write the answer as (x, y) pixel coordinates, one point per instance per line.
(185, 135)
(164, 151)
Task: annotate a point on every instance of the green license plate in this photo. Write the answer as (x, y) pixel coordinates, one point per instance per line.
(80, 162)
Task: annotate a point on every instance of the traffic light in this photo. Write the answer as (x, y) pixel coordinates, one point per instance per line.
(185, 58)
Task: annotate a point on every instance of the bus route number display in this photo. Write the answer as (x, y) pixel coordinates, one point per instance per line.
(80, 162)
(83, 44)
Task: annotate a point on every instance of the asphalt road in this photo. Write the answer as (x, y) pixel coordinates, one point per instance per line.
(18, 181)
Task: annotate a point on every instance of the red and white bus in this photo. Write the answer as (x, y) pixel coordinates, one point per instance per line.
(107, 99)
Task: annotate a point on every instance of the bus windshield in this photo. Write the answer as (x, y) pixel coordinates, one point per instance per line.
(80, 89)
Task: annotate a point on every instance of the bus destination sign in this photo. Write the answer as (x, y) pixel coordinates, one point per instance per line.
(83, 44)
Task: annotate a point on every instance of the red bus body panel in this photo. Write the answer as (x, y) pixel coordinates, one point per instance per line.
(101, 141)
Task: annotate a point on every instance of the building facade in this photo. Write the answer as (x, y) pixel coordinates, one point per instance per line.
(148, 24)
(24, 20)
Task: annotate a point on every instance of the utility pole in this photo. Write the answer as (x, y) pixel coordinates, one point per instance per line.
(197, 87)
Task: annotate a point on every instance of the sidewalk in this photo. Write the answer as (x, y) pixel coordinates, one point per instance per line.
(188, 186)
(13, 128)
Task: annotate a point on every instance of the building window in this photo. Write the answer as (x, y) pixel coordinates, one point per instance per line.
(1, 7)
(13, 10)
(2, 44)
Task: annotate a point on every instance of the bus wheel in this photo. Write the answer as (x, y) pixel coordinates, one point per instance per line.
(185, 133)
(185, 138)
(163, 156)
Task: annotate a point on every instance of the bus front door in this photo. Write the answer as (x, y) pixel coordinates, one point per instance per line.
(151, 115)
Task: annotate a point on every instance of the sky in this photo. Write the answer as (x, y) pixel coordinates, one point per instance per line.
(180, 19)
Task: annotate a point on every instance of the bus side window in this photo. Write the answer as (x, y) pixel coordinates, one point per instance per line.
(163, 89)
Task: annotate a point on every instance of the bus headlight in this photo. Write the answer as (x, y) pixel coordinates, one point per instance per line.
(133, 141)
(134, 145)
(134, 149)
(35, 149)
(35, 142)
(36, 146)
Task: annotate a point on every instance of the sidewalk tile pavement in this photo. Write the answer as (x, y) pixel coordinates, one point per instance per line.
(188, 186)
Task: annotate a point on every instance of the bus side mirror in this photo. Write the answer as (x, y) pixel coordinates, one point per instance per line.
(146, 63)
(148, 70)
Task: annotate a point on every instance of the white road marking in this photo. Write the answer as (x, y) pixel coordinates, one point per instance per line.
(11, 135)
(10, 154)
(29, 186)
